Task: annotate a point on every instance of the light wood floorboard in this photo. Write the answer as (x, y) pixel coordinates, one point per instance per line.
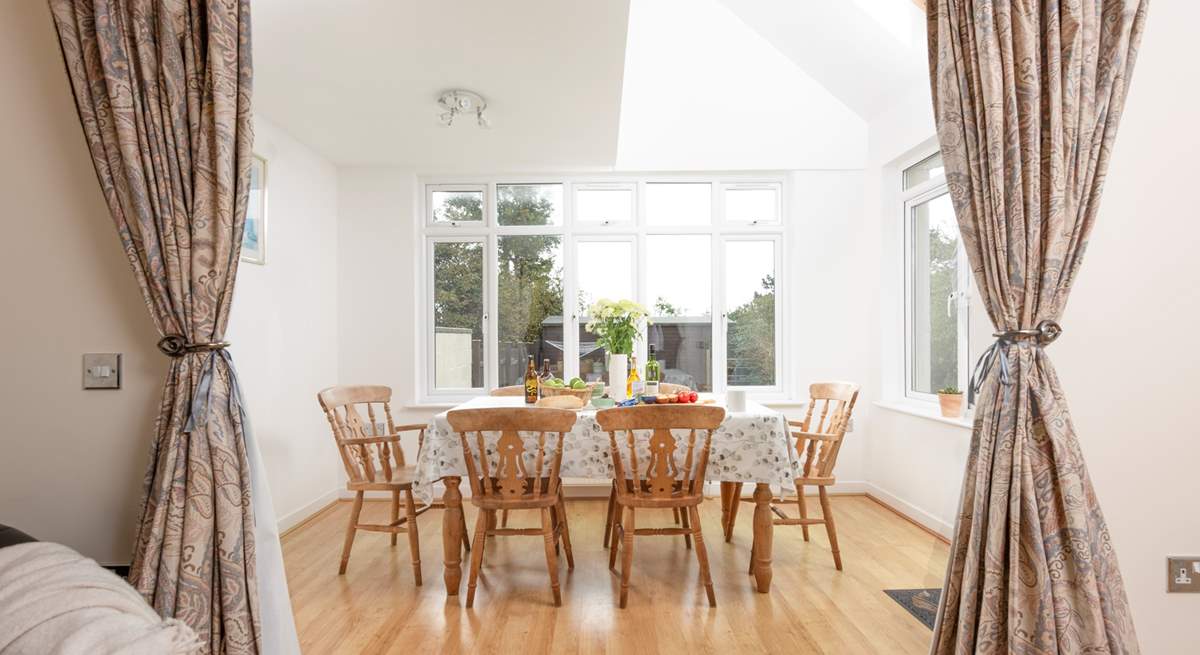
(812, 608)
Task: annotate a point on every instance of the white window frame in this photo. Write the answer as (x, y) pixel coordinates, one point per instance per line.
(574, 232)
(912, 198)
(427, 329)
(752, 186)
(634, 203)
(488, 195)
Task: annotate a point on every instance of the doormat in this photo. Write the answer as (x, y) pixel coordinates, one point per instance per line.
(921, 603)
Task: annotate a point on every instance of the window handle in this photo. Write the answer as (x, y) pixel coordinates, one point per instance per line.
(952, 300)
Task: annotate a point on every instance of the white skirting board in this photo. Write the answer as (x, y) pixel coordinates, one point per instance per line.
(913, 512)
(294, 518)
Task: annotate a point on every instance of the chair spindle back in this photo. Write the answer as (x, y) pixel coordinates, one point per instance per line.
(820, 434)
(660, 475)
(370, 448)
(511, 479)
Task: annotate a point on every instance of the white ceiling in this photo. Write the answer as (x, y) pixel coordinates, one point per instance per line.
(703, 84)
(862, 51)
(358, 80)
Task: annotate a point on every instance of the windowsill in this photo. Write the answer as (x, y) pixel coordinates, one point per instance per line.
(927, 411)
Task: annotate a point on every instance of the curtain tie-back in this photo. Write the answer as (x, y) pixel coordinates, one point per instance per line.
(1044, 334)
(175, 345)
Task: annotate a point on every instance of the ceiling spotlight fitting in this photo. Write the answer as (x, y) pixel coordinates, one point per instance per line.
(461, 102)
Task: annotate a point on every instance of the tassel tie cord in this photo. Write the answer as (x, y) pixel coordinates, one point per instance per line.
(1044, 334)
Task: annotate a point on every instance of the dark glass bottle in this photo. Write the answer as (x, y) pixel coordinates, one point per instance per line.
(531, 383)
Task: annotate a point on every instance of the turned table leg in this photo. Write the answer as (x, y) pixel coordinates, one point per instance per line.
(764, 530)
(452, 535)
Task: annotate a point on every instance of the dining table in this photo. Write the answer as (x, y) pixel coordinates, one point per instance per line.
(752, 446)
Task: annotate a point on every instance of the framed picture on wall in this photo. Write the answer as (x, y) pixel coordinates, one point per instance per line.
(254, 239)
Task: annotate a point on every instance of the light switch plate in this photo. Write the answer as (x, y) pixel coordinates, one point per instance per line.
(102, 371)
(1183, 575)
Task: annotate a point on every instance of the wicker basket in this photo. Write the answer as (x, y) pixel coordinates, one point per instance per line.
(584, 394)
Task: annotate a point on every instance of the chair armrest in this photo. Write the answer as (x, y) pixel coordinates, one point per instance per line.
(411, 427)
(366, 441)
(815, 436)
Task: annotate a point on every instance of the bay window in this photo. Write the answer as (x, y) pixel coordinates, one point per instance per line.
(512, 266)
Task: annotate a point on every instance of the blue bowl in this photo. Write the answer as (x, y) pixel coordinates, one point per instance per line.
(649, 400)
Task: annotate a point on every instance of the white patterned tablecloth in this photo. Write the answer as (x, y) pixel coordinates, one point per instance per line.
(751, 446)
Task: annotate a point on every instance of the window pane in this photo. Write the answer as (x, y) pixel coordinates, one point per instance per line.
(529, 204)
(675, 203)
(605, 271)
(457, 206)
(604, 205)
(529, 284)
(458, 315)
(679, 286)
(923, 171)
(752, 205)
(934, 278)
(750, 299)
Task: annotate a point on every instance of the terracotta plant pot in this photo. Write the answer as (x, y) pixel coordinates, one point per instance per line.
(952, 404)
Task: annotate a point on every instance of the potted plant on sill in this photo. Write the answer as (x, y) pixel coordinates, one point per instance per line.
(617, 325)
(951, 400)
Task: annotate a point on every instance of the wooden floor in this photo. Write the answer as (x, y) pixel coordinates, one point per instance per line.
(812, 608)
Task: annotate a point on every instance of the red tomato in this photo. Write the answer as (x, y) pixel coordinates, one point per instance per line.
(682, 396)
(693, 397)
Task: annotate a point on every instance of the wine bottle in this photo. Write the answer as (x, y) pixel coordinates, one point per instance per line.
(633, 384)
(531, 383)
(653, 374)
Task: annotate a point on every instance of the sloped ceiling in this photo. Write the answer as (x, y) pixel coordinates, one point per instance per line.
(864, 52)
(584, 84)
(705, 91)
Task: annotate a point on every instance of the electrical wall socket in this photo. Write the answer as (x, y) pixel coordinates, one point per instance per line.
(102, 371)
(1183, 575)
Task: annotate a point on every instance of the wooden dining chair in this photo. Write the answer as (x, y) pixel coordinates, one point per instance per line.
(508, 483)
(374, 461)
(667, 479)
(818, 440)
(680, 518)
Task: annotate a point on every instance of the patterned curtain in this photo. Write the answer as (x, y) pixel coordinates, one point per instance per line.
(163, 92)
(1027, 97)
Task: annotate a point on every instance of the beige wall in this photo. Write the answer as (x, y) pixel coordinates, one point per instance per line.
(71, 461)
(1127, 357)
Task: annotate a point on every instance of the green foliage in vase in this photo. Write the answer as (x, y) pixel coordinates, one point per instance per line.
(616, 324)
(950, 390)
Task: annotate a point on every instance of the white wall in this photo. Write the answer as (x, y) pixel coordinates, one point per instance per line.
(284, 325)
(378, 285)
(71, 461)
(1125, 361)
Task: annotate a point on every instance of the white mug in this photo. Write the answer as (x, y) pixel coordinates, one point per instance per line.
(735, 400)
